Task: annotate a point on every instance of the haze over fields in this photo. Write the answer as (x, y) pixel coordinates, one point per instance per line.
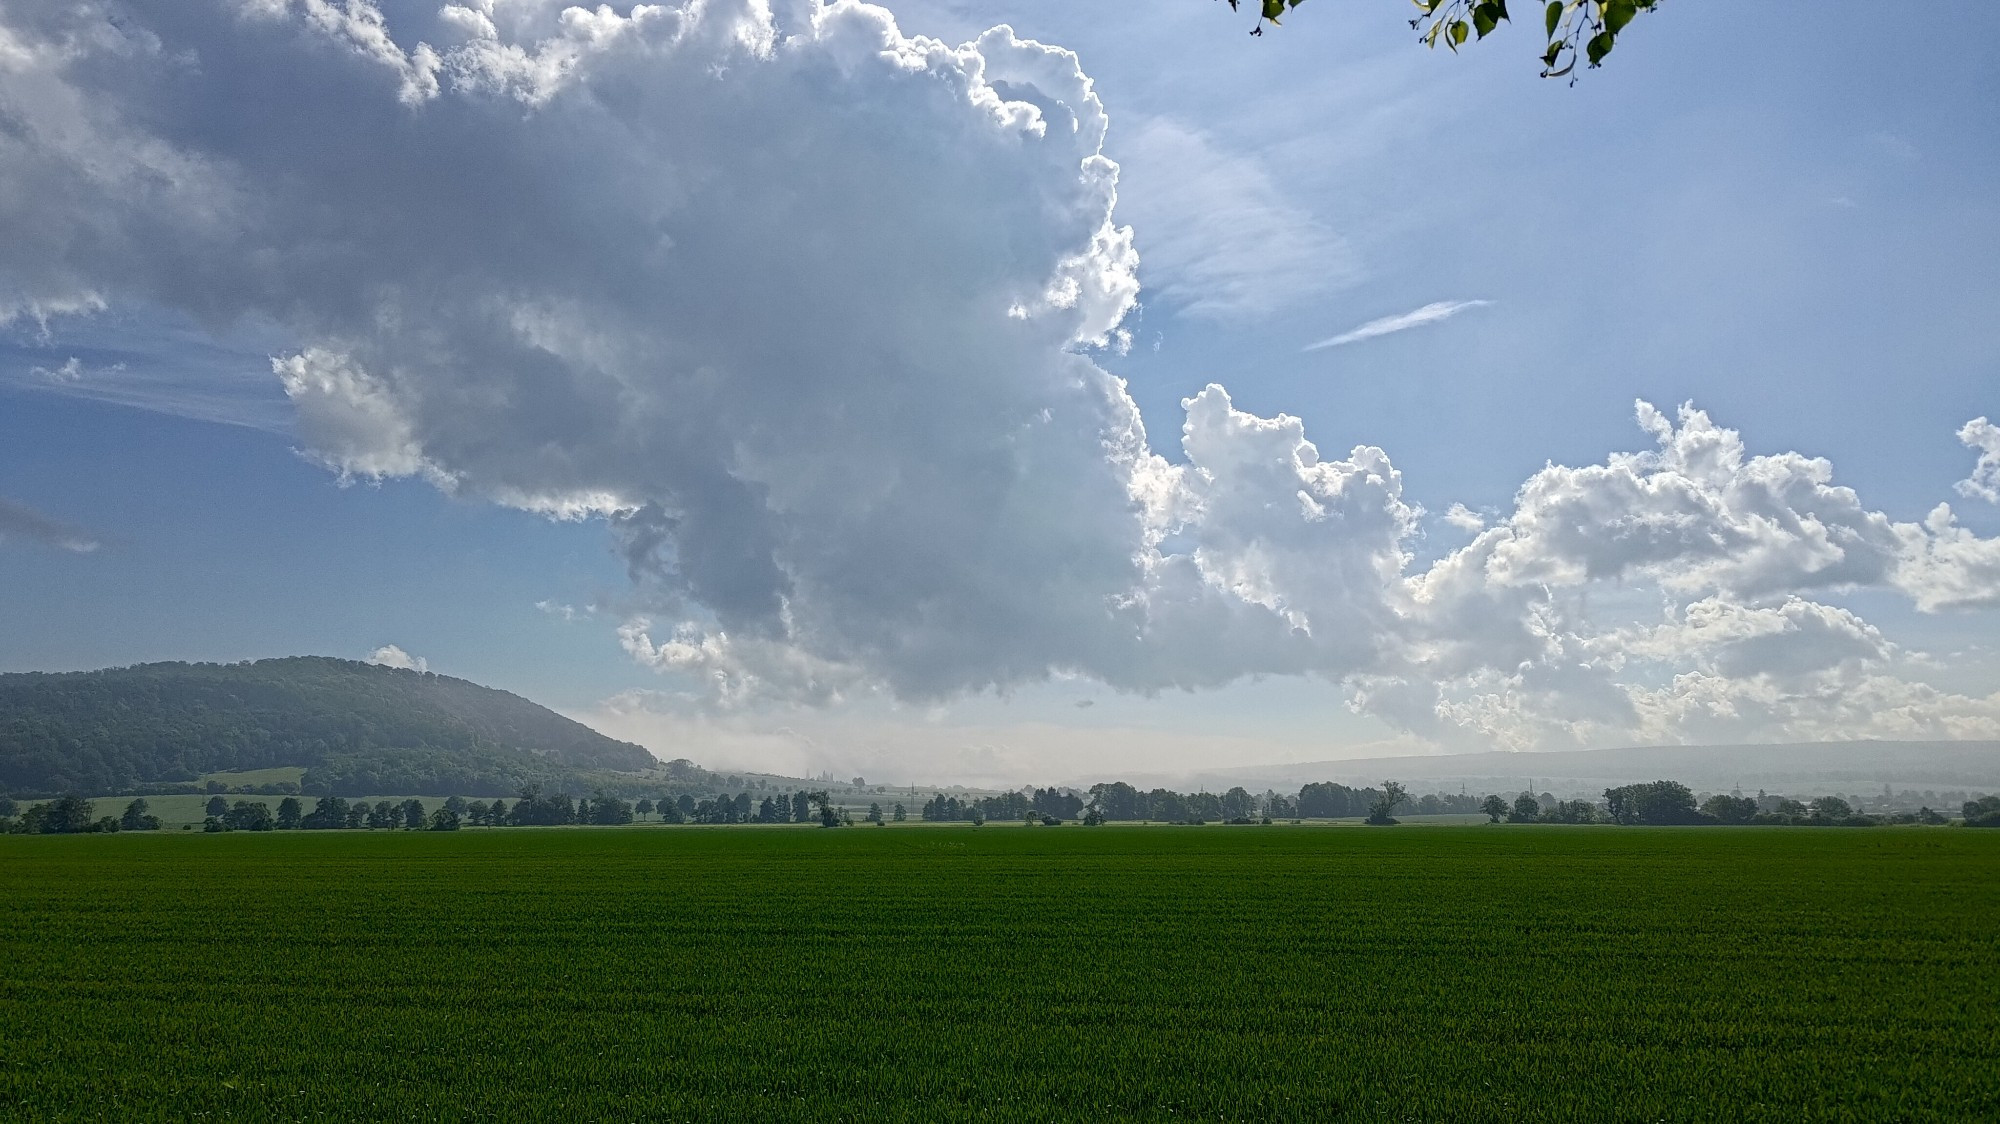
(798, 387)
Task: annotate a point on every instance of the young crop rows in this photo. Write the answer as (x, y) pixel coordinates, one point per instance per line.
(952, 972)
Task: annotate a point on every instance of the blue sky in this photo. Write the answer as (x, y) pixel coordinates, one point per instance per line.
(1790, 222)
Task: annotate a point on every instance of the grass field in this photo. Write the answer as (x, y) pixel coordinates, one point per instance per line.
(951, 973)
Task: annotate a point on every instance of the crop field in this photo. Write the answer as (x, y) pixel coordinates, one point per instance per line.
(1254, 973)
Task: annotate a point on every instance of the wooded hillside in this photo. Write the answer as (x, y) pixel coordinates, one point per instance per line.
(356, 728)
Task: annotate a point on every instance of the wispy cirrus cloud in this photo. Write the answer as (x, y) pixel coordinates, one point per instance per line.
(18, 520)
(1416, 318)
(1223, 240)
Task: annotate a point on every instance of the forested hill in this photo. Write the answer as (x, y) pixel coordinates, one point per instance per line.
(356, 728)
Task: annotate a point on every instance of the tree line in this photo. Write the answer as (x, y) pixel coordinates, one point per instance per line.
(1670, 803)
(1655, 803)
(1043, 805)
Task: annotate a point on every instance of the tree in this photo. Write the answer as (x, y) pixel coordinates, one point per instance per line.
(1117, 801)
(357, 815)
(1381, 810)
(246, 815)
(216, 806)
(413, 814)
(328, 812)
(1494, 807)
(1526, 809)
(455, 805)
(444, 819)
(1655, 802)
(1574, 29)
(69, 815)
(1983, 812)
(801, 806)
(607, 810)
(136, 819)
(289, 814)
(1730, 809)
(8, 808)
(829, 816)
(1570, 811)
(1831, 808)
(899, 813)
(874, 813)
(1237, 803)
(1326, 800)
(644, 807)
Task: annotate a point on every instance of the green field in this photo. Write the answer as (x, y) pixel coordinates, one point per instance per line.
(1299, 973)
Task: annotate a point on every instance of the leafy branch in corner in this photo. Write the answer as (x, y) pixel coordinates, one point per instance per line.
(1576, 29)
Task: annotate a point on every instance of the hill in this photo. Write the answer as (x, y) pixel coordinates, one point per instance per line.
(1799, 767)
(355, 728)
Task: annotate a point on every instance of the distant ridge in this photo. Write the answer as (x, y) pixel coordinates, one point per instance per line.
(1824, 766)
(356, 728)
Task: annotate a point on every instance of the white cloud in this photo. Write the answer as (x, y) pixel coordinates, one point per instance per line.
(19, 521)
(800, 307)
(389, 655)
(1401, 322)
(1984, 483)
(71, 370)
(1220, 240)
(1464, 518)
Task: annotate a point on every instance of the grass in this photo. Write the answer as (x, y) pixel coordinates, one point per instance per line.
(954, 973)
(275, 775)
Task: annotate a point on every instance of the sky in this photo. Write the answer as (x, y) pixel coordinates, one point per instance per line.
(1015, 392)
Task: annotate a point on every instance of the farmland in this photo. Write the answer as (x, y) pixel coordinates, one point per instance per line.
(954, 972)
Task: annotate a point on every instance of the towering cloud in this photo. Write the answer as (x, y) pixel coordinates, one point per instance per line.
(803, 309)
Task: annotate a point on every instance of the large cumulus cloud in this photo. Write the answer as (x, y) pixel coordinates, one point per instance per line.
(803, 309)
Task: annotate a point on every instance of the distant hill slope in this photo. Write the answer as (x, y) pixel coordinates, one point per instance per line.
(356, 728)
(1800, 766)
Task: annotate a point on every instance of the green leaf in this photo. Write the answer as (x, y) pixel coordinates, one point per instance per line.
(1618, 13)
(1273, 9)
(1599, 46)
(1549, 57)
(1553, 16)
(1458, 32)
(1484, 19)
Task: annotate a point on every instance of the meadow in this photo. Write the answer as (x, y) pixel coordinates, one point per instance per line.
(949, 972)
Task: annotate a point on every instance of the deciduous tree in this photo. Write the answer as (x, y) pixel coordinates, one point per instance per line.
(1381, 810)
